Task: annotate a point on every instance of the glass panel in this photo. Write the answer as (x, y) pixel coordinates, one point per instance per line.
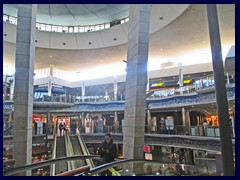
(81, 29)
(65, 29)
(76, 29)
(97, 27)
(87, 29)
(101, 26)
(70, 29)
(107, 25)
(59, 29)
(54, 28)
(48, 27)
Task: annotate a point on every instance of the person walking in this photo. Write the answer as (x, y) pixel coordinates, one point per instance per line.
(60, 128)
(205, 126)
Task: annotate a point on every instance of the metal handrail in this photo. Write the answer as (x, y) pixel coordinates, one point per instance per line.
(46, 163)
(75, 171)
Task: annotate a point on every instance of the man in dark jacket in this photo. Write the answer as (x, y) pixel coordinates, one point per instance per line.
(107, 149)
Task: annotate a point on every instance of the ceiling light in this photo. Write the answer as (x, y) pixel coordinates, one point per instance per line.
(161, 18)
(64, 44)
(36, 41)
(114, 39)
(89, 43)
(5, 34)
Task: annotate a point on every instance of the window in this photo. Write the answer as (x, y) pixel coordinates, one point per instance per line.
(81, 29)
(70, 29)
(87, 29)
(54, 28)
(59, 29)
(107, 25)
(97, 27)
(48, 27)
(65, 29)
(76, 29)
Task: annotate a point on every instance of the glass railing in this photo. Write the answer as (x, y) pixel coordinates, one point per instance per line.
(135, 167)
(43, 168)
(210, 131)
(68, 29)
(124, 167)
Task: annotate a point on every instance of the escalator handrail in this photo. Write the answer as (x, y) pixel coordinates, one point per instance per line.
(46, 163)
(75, 171)
(6, 131)
(53, 166)
(85, 151)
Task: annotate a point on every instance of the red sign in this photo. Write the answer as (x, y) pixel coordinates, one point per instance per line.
(146, 148)
(37, 118)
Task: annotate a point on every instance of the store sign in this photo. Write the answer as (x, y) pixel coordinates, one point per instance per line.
(146, 148)
(37, 118)
(148, 156)
(187, 81)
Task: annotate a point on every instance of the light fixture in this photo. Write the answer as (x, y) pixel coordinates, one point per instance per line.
(161, 17)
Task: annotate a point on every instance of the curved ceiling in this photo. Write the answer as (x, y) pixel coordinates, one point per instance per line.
(186, 33)
(75, 14)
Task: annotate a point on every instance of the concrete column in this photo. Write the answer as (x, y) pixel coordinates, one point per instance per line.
(187, 117)
(183, 117)
(180, 77)
(83, 92)
(115, 117)
(149, 118)
(23, 91)
(148, 85)
(50, 86)
(12, 90)
(228, 82)
(51, 70)
(207, 81)
(115, 88)
(136, 81)
(221, 96)
(219, 165)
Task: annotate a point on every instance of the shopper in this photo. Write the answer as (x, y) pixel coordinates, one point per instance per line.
(107, 149)
(60, 128)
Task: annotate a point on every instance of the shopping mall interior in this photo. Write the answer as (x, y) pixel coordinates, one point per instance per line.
(160, 78)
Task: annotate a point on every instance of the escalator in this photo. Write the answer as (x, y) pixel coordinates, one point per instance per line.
(60, 152)
(67, 146)
(77, 151)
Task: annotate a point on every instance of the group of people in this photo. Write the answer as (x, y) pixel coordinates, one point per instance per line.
(62, 127)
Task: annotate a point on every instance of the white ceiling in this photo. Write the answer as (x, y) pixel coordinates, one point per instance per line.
(181, 31)
(75, 14)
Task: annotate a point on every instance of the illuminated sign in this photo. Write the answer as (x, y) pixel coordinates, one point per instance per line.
(146, 148)
(37, 118)
(187, 81)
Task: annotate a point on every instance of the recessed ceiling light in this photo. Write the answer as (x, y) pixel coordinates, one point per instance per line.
(89, 43)
(161, 17)
(64, 44)
(114, 39)
(5, 34)
(36, 41)
(50, 56)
